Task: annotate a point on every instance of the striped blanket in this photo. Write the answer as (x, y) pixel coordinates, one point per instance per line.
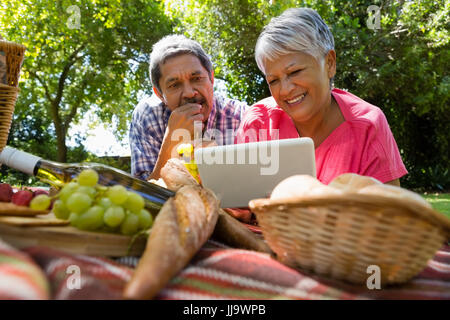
(216, 272)
(20, 276)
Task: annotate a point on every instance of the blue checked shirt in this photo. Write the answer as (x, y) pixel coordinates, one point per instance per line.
(149, 123)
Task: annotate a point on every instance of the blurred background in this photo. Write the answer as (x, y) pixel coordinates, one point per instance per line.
(86, 67)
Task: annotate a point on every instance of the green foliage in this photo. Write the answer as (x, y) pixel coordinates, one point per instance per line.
(431, 178)
(401, 67)
(96, 63)
(122, 163)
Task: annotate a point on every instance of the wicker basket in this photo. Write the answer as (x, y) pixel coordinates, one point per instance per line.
(14, 57)
(341, 236)
(8, 97)
(8, 92)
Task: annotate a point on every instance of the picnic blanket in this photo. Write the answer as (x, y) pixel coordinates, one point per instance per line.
(216, 272)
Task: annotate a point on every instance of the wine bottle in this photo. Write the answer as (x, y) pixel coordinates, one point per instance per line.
(186, 153)
(57, 174)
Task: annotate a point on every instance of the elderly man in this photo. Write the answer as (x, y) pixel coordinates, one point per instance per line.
(182, 77)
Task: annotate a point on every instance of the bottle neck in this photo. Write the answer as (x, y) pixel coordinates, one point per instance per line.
(20, 160)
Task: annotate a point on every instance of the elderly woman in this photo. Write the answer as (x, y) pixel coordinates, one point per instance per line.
(296, 53)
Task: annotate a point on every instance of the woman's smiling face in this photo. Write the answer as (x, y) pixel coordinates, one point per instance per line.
(300, 84)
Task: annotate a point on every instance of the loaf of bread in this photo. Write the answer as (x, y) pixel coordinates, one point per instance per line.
(301, 186)
(176, 175)
(230, 231)
(395, 192)
(352, 182)
(160, 182)
(182, 226)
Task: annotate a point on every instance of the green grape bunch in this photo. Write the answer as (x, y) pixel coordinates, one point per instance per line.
(90, 206)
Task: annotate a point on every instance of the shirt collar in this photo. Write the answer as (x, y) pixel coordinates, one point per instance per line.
(212, 119)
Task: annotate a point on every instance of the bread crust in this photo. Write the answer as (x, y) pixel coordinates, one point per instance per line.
(176, 175)
(352, 182)
(396, 193)
(301, 186)
(232, 232)
(183, 225)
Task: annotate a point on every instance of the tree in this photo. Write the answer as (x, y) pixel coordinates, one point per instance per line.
(91, 55)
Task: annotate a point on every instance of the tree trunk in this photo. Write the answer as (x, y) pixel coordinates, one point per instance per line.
(60, 123)
(60, 133)
(60, 140)
(62, 148)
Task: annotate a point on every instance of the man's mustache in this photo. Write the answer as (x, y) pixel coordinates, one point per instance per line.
(195, 100)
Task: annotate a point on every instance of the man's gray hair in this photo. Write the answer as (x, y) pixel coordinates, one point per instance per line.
(295, 30)
(172, 46)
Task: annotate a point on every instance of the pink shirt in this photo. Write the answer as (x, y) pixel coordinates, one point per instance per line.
(363, 144)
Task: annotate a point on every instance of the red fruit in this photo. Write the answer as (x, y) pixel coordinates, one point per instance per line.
(22, 198)
(6, 192)
(38, 192)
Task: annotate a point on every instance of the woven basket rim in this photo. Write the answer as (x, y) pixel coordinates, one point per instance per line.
(11, 43)
(259, 206)
(9, 87)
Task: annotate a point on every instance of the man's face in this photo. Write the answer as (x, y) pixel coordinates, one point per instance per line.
(185, 80)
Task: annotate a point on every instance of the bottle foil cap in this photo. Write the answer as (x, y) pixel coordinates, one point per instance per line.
(22, 161)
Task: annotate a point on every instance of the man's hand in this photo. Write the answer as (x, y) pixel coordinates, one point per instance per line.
(205, 143)
(184, 117)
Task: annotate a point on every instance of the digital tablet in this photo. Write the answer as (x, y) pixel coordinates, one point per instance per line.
(241, 172)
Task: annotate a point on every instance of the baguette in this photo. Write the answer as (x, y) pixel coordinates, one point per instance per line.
(160, 182)
(176, 175)
(183, 225)
(230, 231)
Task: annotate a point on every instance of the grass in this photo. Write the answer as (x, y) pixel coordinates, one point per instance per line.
(439, 201)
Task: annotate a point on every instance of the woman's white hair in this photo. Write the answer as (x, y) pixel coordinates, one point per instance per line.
(295, 30)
